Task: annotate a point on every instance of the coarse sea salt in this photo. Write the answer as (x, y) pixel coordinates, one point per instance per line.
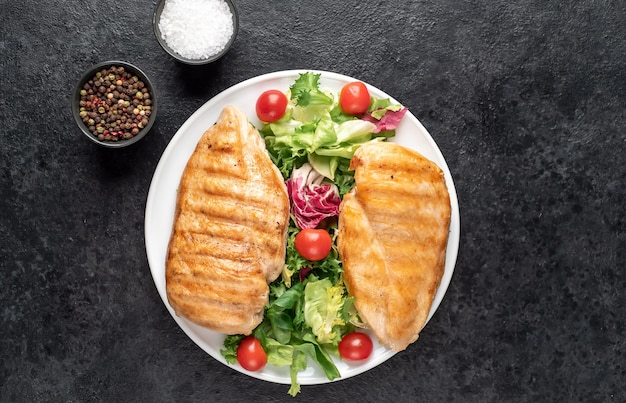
(196, 29)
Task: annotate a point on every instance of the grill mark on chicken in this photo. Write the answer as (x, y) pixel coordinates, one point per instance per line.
(219, 288)
(216, 246)
(226, 209)
(224, 229)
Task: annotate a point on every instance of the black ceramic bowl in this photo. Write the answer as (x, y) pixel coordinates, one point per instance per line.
(135, 122)
(156, 20)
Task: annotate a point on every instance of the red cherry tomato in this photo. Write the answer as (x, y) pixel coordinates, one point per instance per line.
(271, 106)
(355, 346)
(354, 98)
(313, 244)
(250, 354)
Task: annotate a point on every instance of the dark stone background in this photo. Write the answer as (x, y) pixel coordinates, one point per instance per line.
(525, 99)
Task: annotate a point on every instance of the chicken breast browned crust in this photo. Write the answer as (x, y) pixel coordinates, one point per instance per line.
(230, 229)
(393, 232)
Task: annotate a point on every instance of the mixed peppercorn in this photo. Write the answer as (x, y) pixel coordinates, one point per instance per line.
(115, 104)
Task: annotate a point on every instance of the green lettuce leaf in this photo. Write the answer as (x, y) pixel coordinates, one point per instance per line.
(323, 304)
(305, 91)
(354, 131)
(319, 355)
(277, 353)
(299, 363)
(229, 352)
(325, 165)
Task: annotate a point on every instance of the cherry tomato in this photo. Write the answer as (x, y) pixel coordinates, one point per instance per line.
(250, 354)
(355, 346)
(354, 98)
(313, 244)
(271, 106)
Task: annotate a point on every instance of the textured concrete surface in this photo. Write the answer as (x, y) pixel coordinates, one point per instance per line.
(527, 101)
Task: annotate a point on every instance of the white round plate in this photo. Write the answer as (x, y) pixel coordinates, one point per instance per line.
(161, 203)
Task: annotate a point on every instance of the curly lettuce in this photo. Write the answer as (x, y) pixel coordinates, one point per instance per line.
(323, 305)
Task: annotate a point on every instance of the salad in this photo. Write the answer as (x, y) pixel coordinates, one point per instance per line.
(311, 134)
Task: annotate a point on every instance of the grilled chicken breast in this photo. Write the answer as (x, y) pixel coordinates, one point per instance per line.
(230, 229)
(393, 232)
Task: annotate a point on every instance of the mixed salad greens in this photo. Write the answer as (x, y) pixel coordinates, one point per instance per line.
(311, 138)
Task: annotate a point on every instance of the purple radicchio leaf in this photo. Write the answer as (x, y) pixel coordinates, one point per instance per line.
(311, 199)
(389, 121)
(304, 272)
